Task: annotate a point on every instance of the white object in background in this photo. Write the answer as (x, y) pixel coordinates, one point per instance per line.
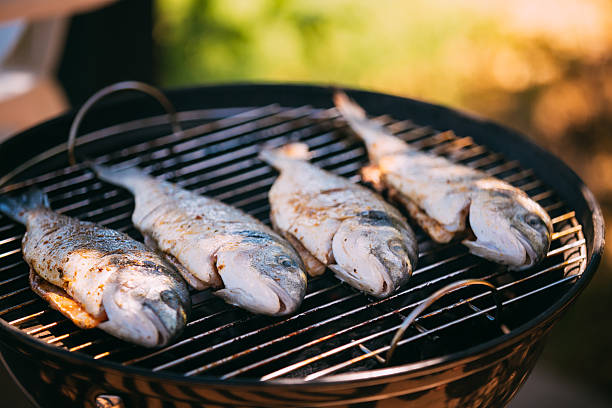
(28, 91)
(31, 40)
(10, 32)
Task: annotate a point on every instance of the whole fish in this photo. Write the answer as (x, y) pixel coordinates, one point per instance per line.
(494, 219)
(335, 223)
(98, 277)
(215, 245)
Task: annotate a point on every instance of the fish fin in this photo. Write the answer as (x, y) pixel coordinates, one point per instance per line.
(17, 207)
(289, 152)
(313, 266)
(378, 139)
(372, 175)
(347, 106)
(122, 177)
(190, 278)
(59, 300)
(175, 263)
(433, 228)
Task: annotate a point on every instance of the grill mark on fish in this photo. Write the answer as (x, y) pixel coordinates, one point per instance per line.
(332, 190)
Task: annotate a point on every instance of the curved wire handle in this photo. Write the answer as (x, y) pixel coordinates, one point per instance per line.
(119, 86)
(432, 299)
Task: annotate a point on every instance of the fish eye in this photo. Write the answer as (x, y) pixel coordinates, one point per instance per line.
(285, 261)
(396, 246)
(533, 220)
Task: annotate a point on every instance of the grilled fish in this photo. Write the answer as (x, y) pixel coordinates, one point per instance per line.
(494, 219)
(338, 224)
(215, 245)
(98, 277)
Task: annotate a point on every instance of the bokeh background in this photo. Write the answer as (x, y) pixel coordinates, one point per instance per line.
(543, 67)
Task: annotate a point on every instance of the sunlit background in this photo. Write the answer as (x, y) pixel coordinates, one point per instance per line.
(543, 67)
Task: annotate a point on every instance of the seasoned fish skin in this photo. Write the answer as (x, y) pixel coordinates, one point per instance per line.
(447, 199)
(110, 280)
(216, 245)
(339, 224)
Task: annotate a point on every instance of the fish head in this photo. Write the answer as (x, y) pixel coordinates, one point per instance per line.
(509, 228)
(374, 252)
(146, 304)
(261, 273)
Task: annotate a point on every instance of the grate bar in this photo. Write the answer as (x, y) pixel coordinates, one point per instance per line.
(566, 232)
(29, 317)
(564, 248)
(567, 216)
(127, 127)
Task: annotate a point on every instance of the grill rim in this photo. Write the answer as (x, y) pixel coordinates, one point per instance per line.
(497, 137)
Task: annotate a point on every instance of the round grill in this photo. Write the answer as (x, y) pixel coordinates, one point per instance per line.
(338, 330)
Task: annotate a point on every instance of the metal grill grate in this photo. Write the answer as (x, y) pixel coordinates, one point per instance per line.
(337, 329)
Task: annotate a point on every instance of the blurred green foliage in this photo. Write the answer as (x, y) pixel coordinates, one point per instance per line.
(387, 45)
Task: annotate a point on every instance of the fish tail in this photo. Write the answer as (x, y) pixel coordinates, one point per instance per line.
(368, 130)
(286, 154)
(17, 207)
(348, 107)
(378, 139)
(126, 177)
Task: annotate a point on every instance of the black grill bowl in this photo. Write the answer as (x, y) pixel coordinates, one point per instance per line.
(455, 356)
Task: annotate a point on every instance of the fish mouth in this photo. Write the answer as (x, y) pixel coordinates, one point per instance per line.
(489, 250)
(531, 257)
(243, 298)
(249, 286)
(353, 279)
(163, 334)
(285, 305)
(492, 252)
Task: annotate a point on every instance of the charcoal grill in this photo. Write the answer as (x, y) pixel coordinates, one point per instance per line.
(463, 350)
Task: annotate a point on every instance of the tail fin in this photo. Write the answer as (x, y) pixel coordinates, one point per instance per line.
(379, 140)
(285, 154)
(127, 177)
(348, 107)
(368, 130)
(18, 206)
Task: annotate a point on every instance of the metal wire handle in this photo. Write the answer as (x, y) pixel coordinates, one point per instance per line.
(120, 86)
(432, 299)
